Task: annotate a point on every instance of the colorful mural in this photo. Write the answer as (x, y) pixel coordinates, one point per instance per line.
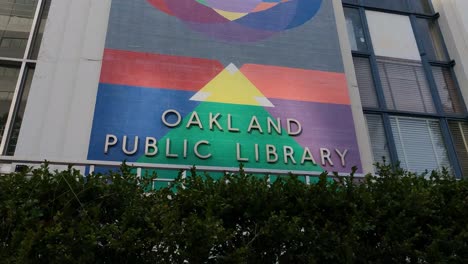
(190, 100)
(240, 20)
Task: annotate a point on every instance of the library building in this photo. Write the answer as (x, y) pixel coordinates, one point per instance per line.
(280, 86)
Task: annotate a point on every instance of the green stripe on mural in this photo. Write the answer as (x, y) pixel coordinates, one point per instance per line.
(223, 143)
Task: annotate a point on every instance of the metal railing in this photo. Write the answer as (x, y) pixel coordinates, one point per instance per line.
(91, 165)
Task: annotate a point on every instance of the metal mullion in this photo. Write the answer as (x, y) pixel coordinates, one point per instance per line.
(11, 112)
(436, 98)
(19, 83)
(16, 59)
(33, 28)
(360, 54)
(446, 64)
(390, 139)
(427, 68)
(436, 20)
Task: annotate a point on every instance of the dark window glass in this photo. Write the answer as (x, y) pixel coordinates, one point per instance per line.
(8, 79)
(355, 30)
(365, 82)
(38, 37)
(459, 132)
(20, 112)
(428, 31)
(405, 85)
(16, 18)
(447, 90)
(377, 137)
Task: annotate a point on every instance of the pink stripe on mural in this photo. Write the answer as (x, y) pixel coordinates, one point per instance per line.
(298, 84)
(157, 71)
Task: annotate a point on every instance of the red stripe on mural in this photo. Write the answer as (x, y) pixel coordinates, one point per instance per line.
(298, 84)
(157, 71)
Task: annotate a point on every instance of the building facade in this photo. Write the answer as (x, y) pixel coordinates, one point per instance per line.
(302, 86)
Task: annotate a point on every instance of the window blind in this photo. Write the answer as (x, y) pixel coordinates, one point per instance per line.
(419, 143)
(377, 138)
(365, 82)
(405, 86)
(447, 90)
(459, 131)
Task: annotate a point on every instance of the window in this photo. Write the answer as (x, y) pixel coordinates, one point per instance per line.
(355, 30)
(22, 23)
(411, 100)
(419, 143)
(379, 143)
(405, 85)
(365, 82)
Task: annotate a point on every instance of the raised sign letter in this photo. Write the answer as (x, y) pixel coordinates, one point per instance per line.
(111, 140)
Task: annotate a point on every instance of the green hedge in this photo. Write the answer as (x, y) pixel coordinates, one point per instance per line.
(399, 217)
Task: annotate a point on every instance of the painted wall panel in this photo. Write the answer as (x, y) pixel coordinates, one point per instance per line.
(257, 82)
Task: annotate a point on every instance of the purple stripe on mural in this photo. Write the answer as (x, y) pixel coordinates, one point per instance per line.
(324, 126)
(239, 6)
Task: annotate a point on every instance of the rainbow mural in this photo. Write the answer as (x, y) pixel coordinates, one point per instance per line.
(190, 100)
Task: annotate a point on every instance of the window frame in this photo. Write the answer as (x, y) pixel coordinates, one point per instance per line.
(382, 110)
(26, 63)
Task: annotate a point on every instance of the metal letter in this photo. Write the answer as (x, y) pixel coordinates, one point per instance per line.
(230, 128)
(254, 126)
(325, 155)
(271, 151)
(135, 146)
(307, 156)
(168, 149)
(195, 149)
(342, 156)
(288, 153)
(171, 111)
(109, 143)
(214, 121)
(238, 153)
(151, 142)
(299, 127)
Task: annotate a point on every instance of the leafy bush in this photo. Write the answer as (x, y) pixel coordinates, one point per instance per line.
(398, 217)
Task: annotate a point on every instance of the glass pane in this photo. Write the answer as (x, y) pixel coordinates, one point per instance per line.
(447, 89)
(400, 5)
(38, 38)
(355, 30)
(392, 36)
(365, 82)
(8, 79)
(419, 143)
(421, 6)
(432, 39)
(405, 86)
(20, 113)
(459, 132)
(377, 137)
(16, 18)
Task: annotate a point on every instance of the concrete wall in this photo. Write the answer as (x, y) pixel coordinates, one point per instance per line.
(453, 22)
(60, 107)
